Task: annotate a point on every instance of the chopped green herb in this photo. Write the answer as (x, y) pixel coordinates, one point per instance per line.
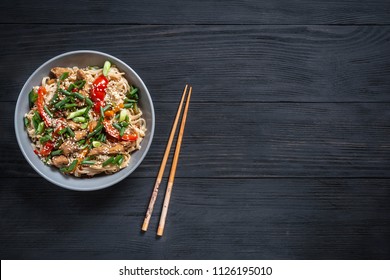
(96, 144)
(77, 113)
(32, 96)
(106, 68)
(69, 168)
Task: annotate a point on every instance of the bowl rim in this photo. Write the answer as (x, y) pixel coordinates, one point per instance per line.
(111, 182)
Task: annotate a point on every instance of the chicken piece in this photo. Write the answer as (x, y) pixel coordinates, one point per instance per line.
(60, 161)
(58, 71)
(80, 134)
(127, 144)
(81, 75)
(68, 147)
(73, 125)
(118, 148)
(107, 150)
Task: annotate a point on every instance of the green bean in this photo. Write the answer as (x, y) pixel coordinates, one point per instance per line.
(106, 108)
(133, 91)
(96, 131)
(117, 126)
(62, 131)
(71, 87)
(89, 101)
(54, 99)
(122, 131)
(61, 103)
(64, 76)
(70, 131)
(124, 124)
(135, 108)
(117, 159)
(128, 105)
(77, 113)
(109, 161)
(78, 95)
(26, 121)
(56, 153)
(65, 92)
(89, 162)
(120, 161)
(44, 139)
(32, 96)
(130, 100)
(40, 128)
(48, 111)
(79, 119)
(71, 105)
(69, 168)
(84, 125)
(102, 112)
(79, 84)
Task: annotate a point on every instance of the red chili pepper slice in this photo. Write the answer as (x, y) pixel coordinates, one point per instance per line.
(129, 137)
(112, 131)
(41, 103)
(99, 86)
(47, 148)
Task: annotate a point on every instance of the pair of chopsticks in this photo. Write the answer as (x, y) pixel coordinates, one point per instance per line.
(172, 173)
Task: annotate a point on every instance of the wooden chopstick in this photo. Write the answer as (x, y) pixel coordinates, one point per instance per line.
(149, 211)
(172, 173)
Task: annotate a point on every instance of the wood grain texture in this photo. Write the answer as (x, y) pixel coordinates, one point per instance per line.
(223, 63)
(285, 154)
(197, 12)
(230, 219)
(257, 140)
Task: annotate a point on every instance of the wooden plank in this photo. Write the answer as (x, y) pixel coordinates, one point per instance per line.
(257, 140)
(208, 219)
(223, 63)
(197, 12)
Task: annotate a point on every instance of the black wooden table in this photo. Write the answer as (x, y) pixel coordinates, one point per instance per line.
(286, 153)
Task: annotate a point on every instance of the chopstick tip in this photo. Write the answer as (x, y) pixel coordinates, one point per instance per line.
(160, 231)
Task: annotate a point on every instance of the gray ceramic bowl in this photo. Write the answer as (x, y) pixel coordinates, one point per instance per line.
(82, 58)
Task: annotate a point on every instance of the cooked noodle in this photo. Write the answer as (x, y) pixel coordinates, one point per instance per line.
(85, 121)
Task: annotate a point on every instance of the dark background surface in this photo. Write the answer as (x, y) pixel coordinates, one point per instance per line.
(286, 152)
